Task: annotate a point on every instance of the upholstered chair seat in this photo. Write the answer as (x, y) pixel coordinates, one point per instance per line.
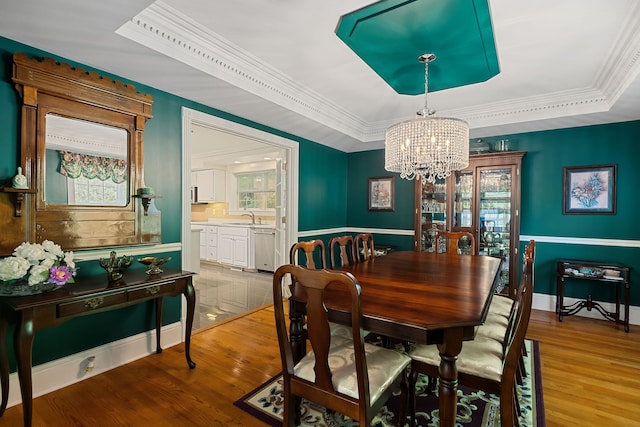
(383, 366)
(495, 326)
(501, 305)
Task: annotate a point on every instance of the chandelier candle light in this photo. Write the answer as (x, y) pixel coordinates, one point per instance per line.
(427, 147)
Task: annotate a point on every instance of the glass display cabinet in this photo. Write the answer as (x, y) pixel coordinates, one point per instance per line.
(483, 199)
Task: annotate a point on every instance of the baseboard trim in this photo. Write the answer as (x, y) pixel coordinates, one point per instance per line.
(548, 303)
(54, 375)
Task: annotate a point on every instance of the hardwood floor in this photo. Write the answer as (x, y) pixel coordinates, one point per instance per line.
(590, 375)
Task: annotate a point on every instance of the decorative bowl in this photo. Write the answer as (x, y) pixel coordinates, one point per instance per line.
(115, 265)
(153, 263)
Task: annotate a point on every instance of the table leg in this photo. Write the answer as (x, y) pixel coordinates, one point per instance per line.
(626, 306)
(560, 298)
(448, 373)
(22, 343)
(190, 296)
(4, 364)
(158, 324)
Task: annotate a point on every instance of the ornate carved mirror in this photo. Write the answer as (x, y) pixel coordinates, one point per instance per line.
(82, 154)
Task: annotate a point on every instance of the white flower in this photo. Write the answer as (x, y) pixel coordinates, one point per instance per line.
(30, 251)
(35, 262)
(48, 262)
(68, 260)
(13, 268)
(38, 274)
(51, 247)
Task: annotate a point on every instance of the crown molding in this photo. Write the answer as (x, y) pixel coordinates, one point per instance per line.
(166, 30)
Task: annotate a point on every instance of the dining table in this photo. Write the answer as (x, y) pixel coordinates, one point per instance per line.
(421, 297)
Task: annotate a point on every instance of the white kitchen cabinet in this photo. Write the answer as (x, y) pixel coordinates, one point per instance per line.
(233, 246)
(203, 242)
(210, 184)
(208, 242)
(212, 243)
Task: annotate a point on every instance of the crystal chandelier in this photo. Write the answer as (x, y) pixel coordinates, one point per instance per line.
(427, 147)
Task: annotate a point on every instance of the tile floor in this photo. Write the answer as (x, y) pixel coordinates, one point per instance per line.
(222, 293)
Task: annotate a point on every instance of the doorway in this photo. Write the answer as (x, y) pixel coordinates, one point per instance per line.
(286, 224)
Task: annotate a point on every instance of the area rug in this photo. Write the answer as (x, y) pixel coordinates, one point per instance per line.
(475, 408)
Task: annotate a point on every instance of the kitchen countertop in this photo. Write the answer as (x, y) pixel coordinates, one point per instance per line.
(232, 224)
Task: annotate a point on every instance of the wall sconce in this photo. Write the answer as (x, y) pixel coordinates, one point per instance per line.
(145, 194)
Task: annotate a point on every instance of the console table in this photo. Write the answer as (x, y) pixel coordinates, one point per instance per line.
(608, 273)
(86, 296)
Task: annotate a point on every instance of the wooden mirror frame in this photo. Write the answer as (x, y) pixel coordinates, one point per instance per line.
(49, 86)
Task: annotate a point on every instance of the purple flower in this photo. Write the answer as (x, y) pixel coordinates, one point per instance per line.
(59, 275)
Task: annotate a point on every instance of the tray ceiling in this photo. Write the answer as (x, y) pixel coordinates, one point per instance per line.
(561, 64)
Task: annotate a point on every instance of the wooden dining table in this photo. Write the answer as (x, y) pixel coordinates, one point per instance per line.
(422, 297)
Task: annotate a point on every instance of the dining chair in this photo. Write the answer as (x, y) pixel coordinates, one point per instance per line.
(352, 377)
(502, 306)
(311, 254)
(486, 363)
(365, 248)
(455, 242)
(341, 251)
(313, 251)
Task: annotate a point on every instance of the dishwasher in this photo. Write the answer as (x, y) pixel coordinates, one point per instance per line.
(265, 249)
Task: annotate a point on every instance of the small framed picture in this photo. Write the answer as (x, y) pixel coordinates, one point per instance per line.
(381, 193)
(589, 190)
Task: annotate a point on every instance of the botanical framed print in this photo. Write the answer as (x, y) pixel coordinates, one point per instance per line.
(381, 193)
(589, 190)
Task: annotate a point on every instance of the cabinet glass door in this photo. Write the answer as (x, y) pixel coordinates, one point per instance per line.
(495, 215)
(433, 213)
(463, 200)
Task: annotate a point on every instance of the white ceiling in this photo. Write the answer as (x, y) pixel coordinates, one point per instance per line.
(279, 63)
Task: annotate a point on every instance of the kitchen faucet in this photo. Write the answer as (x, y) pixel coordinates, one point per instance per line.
(252, 215)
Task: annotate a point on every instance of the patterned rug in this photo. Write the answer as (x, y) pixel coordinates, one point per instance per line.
(475, 408)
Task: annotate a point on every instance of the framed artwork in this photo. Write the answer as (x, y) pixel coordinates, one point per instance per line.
(382, 193)
(589, 190)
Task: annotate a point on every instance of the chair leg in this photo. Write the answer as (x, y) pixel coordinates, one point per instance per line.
(291, 411)
(297, 401)
(411, 397)
(507, 410)
(404, 397)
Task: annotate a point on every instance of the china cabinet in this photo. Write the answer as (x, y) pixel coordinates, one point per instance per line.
(483, 199)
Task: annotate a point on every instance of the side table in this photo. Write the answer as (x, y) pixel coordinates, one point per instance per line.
(608, 273)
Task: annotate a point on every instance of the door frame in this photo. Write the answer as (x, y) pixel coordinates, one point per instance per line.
(290, 231)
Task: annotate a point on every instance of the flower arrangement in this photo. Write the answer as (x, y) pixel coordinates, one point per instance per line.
(36, 263)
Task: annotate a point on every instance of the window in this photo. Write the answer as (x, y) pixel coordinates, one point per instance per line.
(84, 191)
(256, 190)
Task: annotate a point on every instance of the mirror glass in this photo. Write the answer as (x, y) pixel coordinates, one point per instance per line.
(86, 163)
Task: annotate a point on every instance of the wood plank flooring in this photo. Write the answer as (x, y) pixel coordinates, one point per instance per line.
(590, 375)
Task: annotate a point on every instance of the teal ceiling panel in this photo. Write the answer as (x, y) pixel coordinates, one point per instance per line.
(390, 35)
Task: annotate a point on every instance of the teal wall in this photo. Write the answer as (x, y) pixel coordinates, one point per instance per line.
(367, 164)
(322, 192)
(322, 200)
(548, 153)
(333, 194)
